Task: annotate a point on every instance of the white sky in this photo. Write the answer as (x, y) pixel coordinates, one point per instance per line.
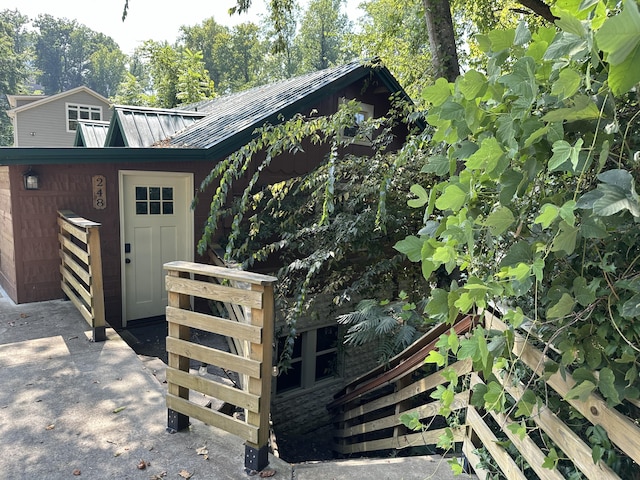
(147, 19)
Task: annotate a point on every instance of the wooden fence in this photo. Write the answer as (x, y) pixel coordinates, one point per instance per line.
(186, 280)
(81, 268)
(368, 419)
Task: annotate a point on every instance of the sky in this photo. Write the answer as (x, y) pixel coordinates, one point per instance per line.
(147, 19)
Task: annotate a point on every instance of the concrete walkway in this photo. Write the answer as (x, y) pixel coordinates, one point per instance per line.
(71, 408)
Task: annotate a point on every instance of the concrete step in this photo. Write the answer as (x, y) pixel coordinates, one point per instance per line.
(405, 468)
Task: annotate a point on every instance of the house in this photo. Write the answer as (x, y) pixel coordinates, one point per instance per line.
(149, 166)
(52, 120)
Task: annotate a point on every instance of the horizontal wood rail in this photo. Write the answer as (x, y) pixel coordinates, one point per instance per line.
(367, 414)
(81, 268)
(242, 292)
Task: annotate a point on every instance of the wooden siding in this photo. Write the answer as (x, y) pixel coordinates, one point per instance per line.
(7, 250)
(69, 187)
(48, 122)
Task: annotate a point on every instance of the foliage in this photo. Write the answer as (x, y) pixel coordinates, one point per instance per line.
(533, 200)
(13, 71)
(63, 55)
(321, 230)
(321, 35)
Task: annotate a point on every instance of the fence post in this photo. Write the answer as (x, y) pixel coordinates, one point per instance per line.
(96, 288)
(177, 421)
(257, 455)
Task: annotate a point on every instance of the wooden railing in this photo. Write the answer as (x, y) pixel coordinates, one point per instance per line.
(367, 417)
(81, 268)
(622, 431)
(186, 280)
(368, 411)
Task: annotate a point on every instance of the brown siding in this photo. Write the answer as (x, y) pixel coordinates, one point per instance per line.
(36, 277)
(7, 250)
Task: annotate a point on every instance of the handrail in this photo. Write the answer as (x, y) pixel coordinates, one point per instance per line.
(81, 269)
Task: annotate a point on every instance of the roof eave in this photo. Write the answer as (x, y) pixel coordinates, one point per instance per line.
(78, 155)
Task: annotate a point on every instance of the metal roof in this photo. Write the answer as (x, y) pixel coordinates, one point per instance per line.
(141, 127)
(232, 119)
(91, 134)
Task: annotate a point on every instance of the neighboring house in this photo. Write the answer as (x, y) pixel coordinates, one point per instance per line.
(52, 120)
(151, 165)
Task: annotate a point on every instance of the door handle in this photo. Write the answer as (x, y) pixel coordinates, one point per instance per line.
(127, 260)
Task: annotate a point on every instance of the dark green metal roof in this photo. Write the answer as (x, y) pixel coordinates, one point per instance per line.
(91, 134)
(232, 119)
(140, 127)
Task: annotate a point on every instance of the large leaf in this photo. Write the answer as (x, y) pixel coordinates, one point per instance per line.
(620, 34)
(631, 308)
(472, 85)
(614, 200)
(624, 76)
(487, 157)
(421, 193)
(565, 241)
(583, 109)
(437, 93)
(562, 308)
(567, 84)
(411, 247)
(452, 198)
(499, 220)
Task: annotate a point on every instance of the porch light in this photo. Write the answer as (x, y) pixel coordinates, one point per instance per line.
(31, 180)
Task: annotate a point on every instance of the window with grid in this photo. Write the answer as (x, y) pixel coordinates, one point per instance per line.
(154, 200)
(81, 112)
(314, 359)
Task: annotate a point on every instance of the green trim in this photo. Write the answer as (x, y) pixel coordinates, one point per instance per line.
(56, 156)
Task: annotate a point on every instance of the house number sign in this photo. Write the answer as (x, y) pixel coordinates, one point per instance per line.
(99, 192)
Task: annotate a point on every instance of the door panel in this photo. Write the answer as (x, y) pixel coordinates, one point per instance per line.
(157, 224)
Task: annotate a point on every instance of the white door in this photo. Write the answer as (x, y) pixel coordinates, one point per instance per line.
(156, 225)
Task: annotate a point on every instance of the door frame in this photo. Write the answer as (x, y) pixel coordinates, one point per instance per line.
(188, 215)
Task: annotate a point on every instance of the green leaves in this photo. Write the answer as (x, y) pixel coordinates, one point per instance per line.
(620, 35)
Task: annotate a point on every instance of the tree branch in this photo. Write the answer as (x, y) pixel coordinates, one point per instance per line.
(539, 8)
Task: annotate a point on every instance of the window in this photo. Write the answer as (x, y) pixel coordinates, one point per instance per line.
(81, 112)
(154, 200)
(314, 358)
(365, 113)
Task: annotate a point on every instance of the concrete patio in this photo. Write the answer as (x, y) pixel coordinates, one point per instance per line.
(73, 408)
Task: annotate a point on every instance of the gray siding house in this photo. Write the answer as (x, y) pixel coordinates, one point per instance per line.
(52, 120)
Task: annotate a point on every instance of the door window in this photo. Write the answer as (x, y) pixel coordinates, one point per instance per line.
(154, 200)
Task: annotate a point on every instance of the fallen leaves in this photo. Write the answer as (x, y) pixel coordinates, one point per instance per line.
(262, 473)
(77, 472)
(142, 464)
(50, 427)
(203, 451)
(185, 474)
(118, 410)
(158, 476)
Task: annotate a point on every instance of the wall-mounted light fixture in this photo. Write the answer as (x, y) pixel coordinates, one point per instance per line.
(31, 180)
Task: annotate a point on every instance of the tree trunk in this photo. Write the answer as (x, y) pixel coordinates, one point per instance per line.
(442, 39)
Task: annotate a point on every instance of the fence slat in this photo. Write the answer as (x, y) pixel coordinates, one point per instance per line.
(213, 357)
(424, 411)
(212, 291)
(422, 385)
(209, 323)
(490, 442)
(77, 251)
(620, 429)
(213, 389)
(429, 437)
(75, 267)
(213, 418)
(82, 308)
(77, 286)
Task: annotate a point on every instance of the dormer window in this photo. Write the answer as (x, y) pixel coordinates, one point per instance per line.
(365, 112)
(77, 112)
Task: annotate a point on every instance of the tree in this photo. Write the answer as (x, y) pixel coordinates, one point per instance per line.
(194, 83)
(13, 70)
(63, 52)
(106, 70)
(322, 35)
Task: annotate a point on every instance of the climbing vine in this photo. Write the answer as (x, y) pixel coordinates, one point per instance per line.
(533, 204)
